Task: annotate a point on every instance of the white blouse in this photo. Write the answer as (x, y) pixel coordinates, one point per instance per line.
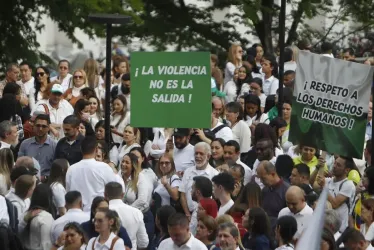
(229, 72)
(242, 134)
(94, 119)
(114, 119)
(263, 119)
(173, 181)
(142, 199)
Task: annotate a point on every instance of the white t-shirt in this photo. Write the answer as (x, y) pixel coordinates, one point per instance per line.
(174, 182)
(223, 209)
(224, 133)
(184, 158)
(348, 190)
(286, 247)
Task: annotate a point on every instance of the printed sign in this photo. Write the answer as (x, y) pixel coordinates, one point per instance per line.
(330, 104)
(171, 89)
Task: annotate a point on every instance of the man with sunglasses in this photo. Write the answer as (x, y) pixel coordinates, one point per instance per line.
(63, 77)
(41, 146)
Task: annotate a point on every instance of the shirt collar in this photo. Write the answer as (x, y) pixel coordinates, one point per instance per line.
(5, 145)
(116, 202)
(74, 210)
(206, 170)
(188, 243)
(108, 243)
(47, 141)
(303, 211)
(29, 81)
(270, 79)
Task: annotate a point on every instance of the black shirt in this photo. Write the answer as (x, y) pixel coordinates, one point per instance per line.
(72, 153)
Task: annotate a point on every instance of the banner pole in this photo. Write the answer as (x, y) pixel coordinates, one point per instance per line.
(372, 122)
(282, 21)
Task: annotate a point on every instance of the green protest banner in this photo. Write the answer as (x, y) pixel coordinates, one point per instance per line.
(330, 104)
(171, 89)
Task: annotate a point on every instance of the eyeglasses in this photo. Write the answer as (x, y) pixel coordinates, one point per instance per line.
(40, 73)
(41, 126)
(78, 77)
(63, 67)
(165, 163)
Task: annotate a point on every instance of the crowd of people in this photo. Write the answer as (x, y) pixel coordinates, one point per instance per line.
(240, 184)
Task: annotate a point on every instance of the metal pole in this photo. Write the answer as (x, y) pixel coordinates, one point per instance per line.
(282, 24)
(107, 81)
(372, 127)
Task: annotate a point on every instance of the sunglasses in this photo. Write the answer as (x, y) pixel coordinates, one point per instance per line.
(166, 163)
(63, 67)
(40, 73)
(41, 126)
(78, 77)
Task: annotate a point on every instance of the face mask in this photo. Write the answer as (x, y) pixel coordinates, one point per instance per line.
(125, 90)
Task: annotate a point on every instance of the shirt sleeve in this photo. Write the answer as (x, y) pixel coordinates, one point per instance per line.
(226, 134)
(175, 181)
(119, 244)
(22, 151)
(45, 230)
(369, 236)
(245, 137)
(142, 197)
(347, 189)
(183, 185)
(230, 68)
(4, 216)
(58, 195)
(141, 234)
(125, 237)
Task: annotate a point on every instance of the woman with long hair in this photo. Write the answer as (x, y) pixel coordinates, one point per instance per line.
(259, 54)
(256, 88)
(96, 113)
(112, 147)
(56, 181)
(77, 83)
(367, 216)
(146, 167)
(100, 203)
(240, 130)
(230, 88)
(217, 152)
(82, 111)
(244, 80)
(270, 71)
(36, 226)
(92, 70)
(119, 118)
(72, 238)
(234, 61)
(131, 139)
(6, 166)
(258, 236)
(102, 155)
(107, 224)
(280, 126)
(42, 85)
(251, 61)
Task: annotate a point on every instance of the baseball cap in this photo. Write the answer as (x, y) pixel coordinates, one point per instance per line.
(181, 132)
(57, 88)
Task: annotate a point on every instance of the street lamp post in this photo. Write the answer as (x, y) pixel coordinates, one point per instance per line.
(108, 19)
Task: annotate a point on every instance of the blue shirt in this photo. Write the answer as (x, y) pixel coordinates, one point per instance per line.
(368, 131)
(43, 153)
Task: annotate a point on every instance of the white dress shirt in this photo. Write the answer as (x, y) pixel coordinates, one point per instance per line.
(142, 199)
(20, 204)
(89, 177)
(65, 82)
(4, 145)
(187, 182)
(38, 236)
(4, 216)
(184, 158)
(132, 220)
(72, 215)
(119, 245)
(270, 85)
(58, 192)
(192, 243)
(125, 150)
(302, 218)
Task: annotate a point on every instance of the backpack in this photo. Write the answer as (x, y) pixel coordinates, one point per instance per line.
(13, 216)
(9, 239)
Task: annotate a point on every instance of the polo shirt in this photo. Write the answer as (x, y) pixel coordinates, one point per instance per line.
(43, 153)
(187, 182)
(274, 200)
(72, 153)
(192, 243)
(302, 218)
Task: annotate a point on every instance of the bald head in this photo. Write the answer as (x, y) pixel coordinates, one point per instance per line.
(295, 199)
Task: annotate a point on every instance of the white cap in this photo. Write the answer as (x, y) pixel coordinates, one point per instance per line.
(57, 88)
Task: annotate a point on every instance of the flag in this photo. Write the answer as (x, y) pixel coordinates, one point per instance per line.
(311, 237)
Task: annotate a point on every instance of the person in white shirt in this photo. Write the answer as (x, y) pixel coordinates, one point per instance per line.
(89, 176)
(354, 240)
(20, 198)
(64, 77)
(183, 152)
(119, 118)
(161, 136)
(231, 152)
(219, 129)
(297, 207)
(73, 237)
(8, 134)
(326, 49)
(234, 61)
(253, 114)
(4, 216)
(285, 231)
(131, 218)
(57, 109)
(341, 190)
(228, 236)
(74, 213)
(202, 168)
(180, 235)
(27, 79)
(223, 185)
(270, 69)
(107, 224)
(240, 130)
(256, 88)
